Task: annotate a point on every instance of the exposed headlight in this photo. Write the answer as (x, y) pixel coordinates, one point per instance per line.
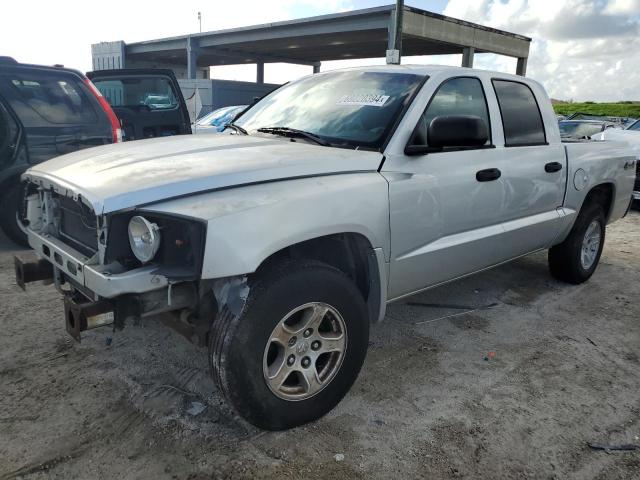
(144, 238)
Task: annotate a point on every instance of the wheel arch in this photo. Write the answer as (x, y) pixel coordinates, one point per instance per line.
(350, 252)
(603, 193)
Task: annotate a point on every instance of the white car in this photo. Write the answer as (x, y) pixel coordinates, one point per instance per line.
(277, 244)
(217, 121)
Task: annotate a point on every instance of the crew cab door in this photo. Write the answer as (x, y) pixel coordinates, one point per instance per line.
(446, 207)
(148, 102)
(454, 211)
(535, 173)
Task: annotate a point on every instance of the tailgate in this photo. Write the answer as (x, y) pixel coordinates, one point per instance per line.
(148, 101)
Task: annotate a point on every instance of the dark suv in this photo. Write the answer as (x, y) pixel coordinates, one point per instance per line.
(44, 112)
(50, 111)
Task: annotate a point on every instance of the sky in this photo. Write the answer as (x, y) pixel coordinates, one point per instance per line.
(581, 49)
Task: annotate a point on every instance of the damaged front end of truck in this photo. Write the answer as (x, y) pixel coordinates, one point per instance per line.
(120, 267)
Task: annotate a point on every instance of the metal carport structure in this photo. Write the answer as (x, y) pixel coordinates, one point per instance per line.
(366, 33)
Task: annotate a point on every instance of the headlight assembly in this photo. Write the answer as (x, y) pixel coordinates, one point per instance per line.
(144, 238)
(174, 244)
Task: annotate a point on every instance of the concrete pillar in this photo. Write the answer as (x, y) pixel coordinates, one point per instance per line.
(316, 68)
(260, 72)
(467, 56)
(192, 57)
(521, 67)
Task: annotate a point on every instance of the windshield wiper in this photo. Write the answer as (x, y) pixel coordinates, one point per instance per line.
(235, 128)
(294, 132)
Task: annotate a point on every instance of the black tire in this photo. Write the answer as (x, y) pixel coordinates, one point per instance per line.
(565, 259)
(237, 342)
(10, 205)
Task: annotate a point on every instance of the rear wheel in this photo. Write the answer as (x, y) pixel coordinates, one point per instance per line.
(575, 259)
(295, 349)
(10, 205)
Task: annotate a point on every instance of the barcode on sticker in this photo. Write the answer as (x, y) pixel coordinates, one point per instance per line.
(369, 100)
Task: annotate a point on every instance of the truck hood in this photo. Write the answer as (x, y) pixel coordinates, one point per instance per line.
(126, 175)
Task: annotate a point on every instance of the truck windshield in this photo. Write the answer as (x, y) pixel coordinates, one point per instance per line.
(346, 109)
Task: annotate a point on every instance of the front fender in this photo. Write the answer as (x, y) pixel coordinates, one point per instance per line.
(247, 224)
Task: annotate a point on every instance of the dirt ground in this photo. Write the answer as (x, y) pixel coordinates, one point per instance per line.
(431, 401)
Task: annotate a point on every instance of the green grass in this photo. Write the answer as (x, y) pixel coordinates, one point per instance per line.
(608, 109)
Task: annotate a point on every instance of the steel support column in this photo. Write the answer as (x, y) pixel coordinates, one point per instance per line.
(467, 56)
(260, 72)
(394, 49)
(192, 57)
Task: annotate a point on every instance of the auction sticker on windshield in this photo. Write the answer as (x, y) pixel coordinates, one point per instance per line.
(369, 100)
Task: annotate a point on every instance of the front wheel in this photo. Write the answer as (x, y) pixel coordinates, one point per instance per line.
(296, 347)
(575, 259)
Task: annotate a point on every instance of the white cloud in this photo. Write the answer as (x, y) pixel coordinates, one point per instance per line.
(623, 6)
(581, 49)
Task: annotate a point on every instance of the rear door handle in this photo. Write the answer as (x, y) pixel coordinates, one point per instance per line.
(488, 175)
(553, 167)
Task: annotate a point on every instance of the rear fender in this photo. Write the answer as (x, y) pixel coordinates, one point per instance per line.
(591, 164)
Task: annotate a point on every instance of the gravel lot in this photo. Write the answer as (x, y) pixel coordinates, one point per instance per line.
(431, 401)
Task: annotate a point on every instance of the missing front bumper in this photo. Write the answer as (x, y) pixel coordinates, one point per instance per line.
(84, 309)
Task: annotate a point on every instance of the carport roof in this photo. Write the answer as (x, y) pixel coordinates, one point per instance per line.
(356, 34)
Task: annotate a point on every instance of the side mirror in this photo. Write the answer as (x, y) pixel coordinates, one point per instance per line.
(464, 131)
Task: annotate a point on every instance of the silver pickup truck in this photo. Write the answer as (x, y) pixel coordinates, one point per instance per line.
(278, 243)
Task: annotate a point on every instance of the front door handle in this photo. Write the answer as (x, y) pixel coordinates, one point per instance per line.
(488, 175)
(629, 164)
(553, 167)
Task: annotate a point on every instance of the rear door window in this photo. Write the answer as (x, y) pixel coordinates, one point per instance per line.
(56, 99)
(138, 92)
(521, 118)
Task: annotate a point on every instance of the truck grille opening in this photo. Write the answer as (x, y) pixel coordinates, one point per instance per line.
(78, 226)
